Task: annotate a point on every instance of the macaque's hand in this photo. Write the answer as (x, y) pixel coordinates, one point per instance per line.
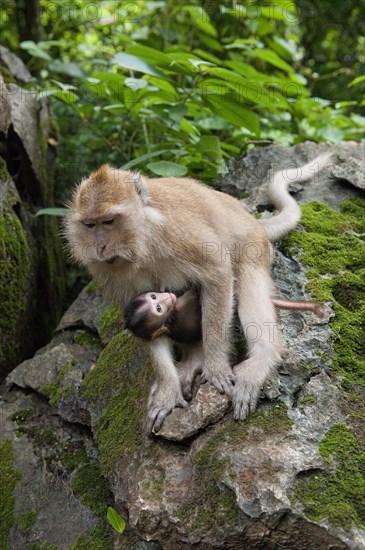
(162, 399)
(221, 376)
(246, 391)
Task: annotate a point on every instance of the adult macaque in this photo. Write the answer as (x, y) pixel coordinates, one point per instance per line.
(135, 233)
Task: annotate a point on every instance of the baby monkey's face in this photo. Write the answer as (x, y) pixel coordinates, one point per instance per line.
(158, 304)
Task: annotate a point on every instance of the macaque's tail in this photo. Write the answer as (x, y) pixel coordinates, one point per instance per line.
(289, 210)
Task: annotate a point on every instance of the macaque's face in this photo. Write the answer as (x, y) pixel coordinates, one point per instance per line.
(106, 218)
(158, 305)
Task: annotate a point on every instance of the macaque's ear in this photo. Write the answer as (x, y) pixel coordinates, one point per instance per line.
(160, 332)
(140, 186)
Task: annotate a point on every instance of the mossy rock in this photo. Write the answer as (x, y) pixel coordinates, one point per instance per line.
(333, 246)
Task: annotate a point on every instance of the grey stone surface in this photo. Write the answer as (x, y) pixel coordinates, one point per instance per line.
(207, 408)
(352, 170)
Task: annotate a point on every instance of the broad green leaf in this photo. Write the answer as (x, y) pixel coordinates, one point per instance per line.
(134, 63)
(66, 96)
(212, 123)
(288, 48)
(52, 212)
(69, 69)
(229, 147)
(200, 19)
(177, 112)
(276, 12)
(33, 49)
(162, 84)
(208, 56)
(150, 55)
(210, 145)
(143, 158)
(99, 88)
(233, 111)
(115, 520)
(271, 57)
(245, 91)
(64, 86)
(210, 42)
(356, 80)
(135, 83)
(109, 78)
(189, 128)
(225, 75)
(166, 168)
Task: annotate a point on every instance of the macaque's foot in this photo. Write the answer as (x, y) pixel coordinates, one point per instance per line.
(161, 401)
(245, 394)
(222, 378)
(187, 373)
(187, 383)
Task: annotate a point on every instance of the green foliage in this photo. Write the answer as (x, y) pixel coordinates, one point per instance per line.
(115, 520)
(176, 88)
(52, 212)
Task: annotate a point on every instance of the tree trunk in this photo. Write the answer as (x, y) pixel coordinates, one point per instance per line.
(28, 20)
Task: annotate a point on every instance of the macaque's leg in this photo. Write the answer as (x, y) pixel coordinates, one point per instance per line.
(166, 392)
(190, 365)
(217, 308)
(264, 344)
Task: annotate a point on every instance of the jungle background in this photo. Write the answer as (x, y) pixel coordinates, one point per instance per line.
(175, 88)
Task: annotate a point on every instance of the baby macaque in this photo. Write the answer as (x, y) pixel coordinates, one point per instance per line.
(154, 314)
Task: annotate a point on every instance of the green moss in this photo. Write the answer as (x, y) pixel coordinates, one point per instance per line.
(100, 380)
(14, 279)
(110, 323)
(213, 504)
(27, 520)
(44, 437)
(336, 254)
(91, 488)
(84, 338)
(271, 420)
(328, 244)
(154, 487)
(123, 390)
(120, 427)
(93, 491)
(334, 248)
(71, 454)
(100, 539)
(337, 495)
(8, 477)
(309, 399)
(22, 416)
(56, 390)
(44, 545)
(92, 287)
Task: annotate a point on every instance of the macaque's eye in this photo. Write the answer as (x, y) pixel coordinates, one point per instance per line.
(108, 222)
(89, 224)
(159, 308)
(153, 296)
